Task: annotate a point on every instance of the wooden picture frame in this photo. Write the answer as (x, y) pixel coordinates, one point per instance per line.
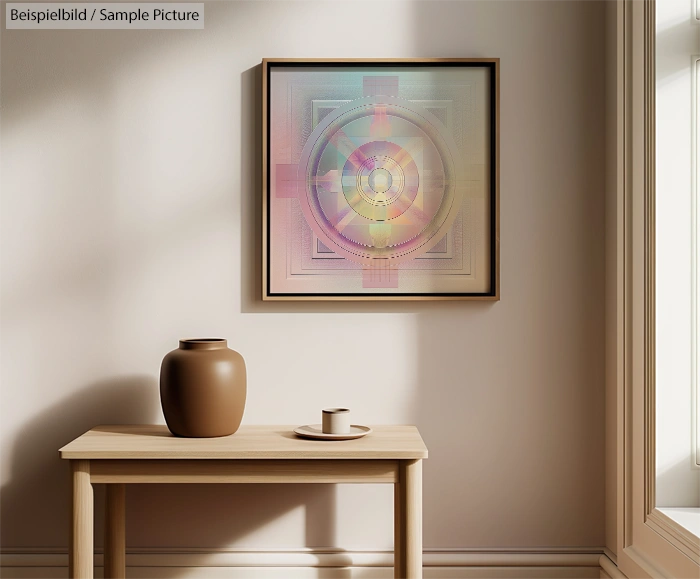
(380, 179)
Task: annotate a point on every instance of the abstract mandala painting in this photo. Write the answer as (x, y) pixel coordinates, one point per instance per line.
(380, 179)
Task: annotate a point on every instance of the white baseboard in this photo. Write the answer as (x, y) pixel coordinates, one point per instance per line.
(317, 564)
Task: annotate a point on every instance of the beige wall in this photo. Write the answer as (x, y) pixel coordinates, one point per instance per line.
(130, 200)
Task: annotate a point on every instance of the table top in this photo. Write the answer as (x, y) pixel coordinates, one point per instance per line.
(153, 441)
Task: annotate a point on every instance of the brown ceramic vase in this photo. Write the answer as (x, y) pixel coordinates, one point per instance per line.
(203, 389)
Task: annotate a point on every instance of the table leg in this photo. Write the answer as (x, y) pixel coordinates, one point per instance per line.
(408, 521)
(115, 532)
(81, 546)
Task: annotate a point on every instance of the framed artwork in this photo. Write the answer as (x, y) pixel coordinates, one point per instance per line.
(380, 179)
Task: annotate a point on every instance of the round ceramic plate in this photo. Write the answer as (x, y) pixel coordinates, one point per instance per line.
(314, 431)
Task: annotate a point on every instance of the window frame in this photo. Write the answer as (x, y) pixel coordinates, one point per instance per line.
(641, 541)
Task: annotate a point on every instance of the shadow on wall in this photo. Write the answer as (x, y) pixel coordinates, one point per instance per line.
(222, 514)
(251, 188)
(502, 410)
(39, 487)
(86, 63)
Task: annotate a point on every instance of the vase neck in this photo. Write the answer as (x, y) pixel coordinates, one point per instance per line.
(203, 344)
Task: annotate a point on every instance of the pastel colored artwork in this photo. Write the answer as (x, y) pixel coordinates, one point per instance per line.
(381, 180)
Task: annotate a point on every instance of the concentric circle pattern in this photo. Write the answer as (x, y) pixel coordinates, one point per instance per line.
(382, 180)
(376, 185)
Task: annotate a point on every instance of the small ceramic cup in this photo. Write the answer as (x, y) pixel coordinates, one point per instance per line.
(335, 421)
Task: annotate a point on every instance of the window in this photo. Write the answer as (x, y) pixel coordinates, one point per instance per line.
(677, 264)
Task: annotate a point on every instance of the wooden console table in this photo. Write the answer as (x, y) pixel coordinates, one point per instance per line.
(120, 455)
